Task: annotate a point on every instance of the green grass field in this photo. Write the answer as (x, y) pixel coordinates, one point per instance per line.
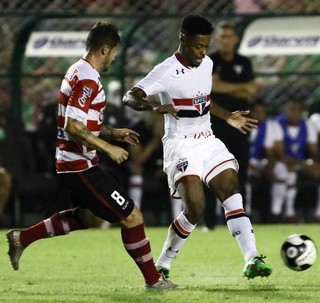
(92, 266)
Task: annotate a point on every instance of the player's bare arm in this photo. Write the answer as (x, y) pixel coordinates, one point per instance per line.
(135, 98)
(236, 119)
(120, 134)
(83, 135)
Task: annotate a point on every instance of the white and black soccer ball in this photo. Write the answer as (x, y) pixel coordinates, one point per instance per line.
(298, 252)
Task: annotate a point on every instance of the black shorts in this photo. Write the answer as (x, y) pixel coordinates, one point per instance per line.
(100, 193)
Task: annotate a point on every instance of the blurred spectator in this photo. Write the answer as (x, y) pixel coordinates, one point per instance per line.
(147, 181)
(5, 176)
(5, 191)
(266, 145)
(314, 120)
(247, 7)
(233, 86)
(300, 148)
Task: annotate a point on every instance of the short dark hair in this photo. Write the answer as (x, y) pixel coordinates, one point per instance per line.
(227, 25)
(196, 25)
(101, 34)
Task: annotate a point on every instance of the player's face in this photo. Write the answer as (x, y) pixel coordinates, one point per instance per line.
(226, 40)
(195, 48)
(110, 55)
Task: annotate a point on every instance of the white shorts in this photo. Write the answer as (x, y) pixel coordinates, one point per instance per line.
(204, 156)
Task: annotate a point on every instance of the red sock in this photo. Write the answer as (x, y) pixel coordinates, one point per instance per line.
(138, 247)
(59, 224)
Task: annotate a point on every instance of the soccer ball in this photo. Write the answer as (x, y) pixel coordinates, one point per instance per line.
(298, 252)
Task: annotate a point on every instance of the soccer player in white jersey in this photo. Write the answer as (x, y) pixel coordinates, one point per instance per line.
(192, 154)
(80, 116)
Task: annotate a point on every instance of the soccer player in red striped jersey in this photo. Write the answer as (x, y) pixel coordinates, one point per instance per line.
(193, 156)
(80, 116)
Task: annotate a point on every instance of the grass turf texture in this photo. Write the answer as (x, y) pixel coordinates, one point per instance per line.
(92, 266)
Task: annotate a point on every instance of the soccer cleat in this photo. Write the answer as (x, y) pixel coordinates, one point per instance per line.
(15, 247)
(163, 271)
(162, 284)
(256, 267)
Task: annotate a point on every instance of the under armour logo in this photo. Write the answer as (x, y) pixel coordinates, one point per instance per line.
(175, 251)
(181, 71)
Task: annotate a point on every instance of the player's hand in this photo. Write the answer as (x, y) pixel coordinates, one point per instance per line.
(126, 135)
(116, 153)
(239, 120)
(167, 109)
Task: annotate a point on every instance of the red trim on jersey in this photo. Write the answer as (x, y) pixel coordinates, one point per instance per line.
(98, 106)
(70, 146)
(76, 165)
(187, 101)
(60, 121)
(215, 168)
(94, 125)
(63, 98)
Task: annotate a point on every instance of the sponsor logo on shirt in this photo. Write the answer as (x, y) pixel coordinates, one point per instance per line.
(86, 93)
(182, 164)
(71, 74)
(199, 103)
(180, 71)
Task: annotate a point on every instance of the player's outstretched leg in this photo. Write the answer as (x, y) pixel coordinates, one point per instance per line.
(178, 233)
(240, 227)
(15, 247)
(59, 224)
(256, 267)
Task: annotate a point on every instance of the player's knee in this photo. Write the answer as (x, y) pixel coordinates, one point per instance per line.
(195, 211)
(226, 191)
(134, 219)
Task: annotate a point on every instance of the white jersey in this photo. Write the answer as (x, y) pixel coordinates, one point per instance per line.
(190, 148)
(188, 89)
(82, 98)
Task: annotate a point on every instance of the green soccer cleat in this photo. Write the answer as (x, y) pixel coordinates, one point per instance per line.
(256, 267)
(163, 271)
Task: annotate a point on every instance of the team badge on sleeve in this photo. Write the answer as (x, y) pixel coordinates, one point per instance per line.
(182, 164)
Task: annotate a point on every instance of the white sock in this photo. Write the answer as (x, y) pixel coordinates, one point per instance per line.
(136, 189)
(240, 226)
(178, 233)
(176, 206)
